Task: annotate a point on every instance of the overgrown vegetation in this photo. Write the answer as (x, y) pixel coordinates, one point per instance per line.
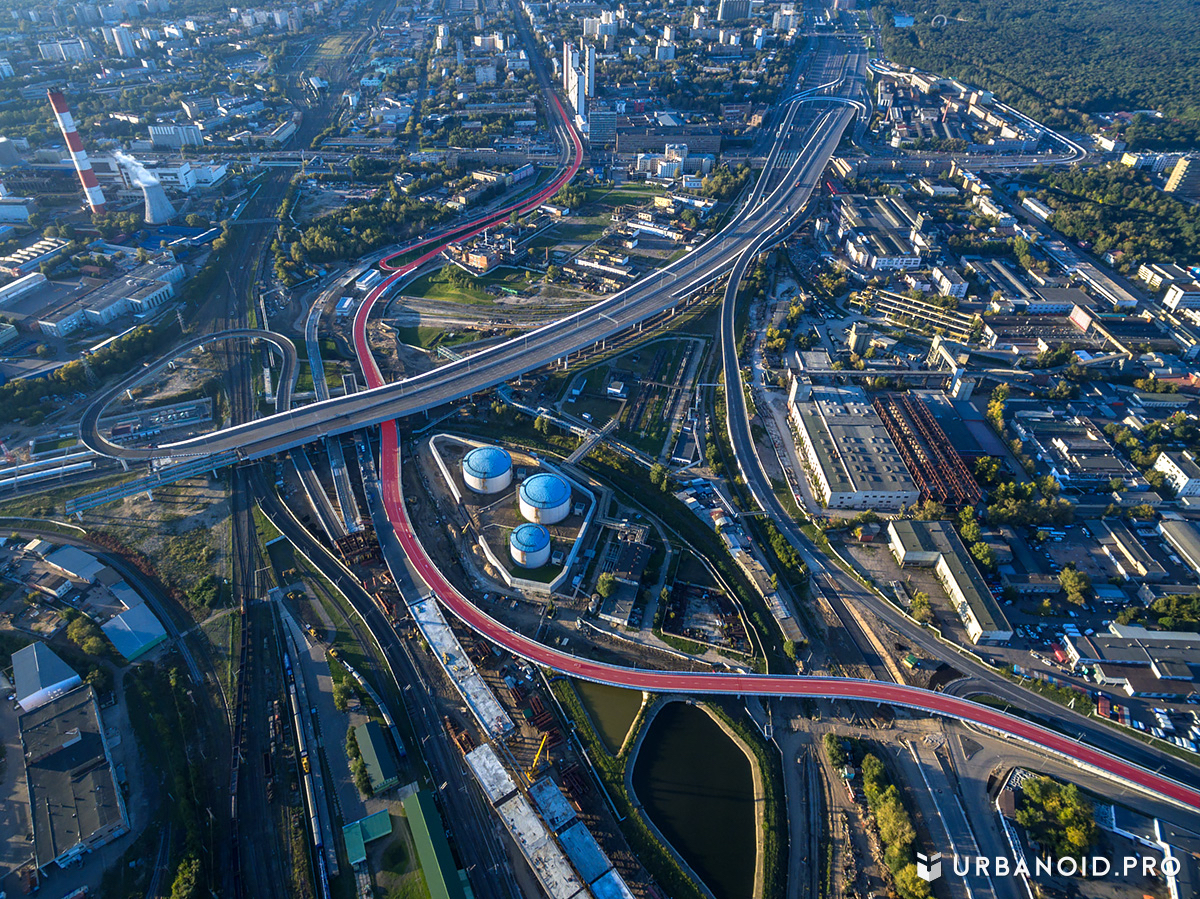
(23, 399)
(1057, 817)
(1059, 62)
(1117, 208)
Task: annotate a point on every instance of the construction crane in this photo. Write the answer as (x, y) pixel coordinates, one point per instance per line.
(532, 772)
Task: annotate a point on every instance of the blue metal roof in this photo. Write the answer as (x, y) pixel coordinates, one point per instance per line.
(545, 490)
(529, 538)
(487, 462)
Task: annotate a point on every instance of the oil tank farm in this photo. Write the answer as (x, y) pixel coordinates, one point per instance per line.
(529, 545)
(487, 469)
(545, 498)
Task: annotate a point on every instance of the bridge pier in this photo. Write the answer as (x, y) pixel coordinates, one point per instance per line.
(124, 464)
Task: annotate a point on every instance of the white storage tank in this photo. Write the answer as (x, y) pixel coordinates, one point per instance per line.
(545, 498)
(529, 545)
(487, 469)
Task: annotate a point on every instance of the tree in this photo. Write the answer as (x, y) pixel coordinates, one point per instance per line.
(658, 475)
(1075, 584)
(834, 750)
(606, 584)
(922, 608)
(341, 695)
(542, 424)
(930, 510)
(984, 555)
(1056, 817)
(969, 527)
(987, 470)
(553, 272)
(187, 878)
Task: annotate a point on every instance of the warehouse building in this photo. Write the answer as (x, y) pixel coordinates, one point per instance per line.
(850, 457)
(74, 799)
(135, 631)
(1141, 662)
(40, 676)
(1185, 540)
(935, 544)
(377, 756)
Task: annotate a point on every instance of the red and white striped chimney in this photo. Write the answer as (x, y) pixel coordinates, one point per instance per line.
(91, 187)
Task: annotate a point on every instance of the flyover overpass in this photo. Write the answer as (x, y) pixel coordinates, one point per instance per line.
(798, 172)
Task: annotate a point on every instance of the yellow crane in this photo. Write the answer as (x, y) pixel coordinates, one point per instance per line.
(533, 768)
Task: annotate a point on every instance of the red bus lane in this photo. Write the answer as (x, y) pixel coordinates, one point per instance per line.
(681, 682)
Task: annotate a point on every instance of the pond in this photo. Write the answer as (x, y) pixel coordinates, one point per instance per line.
(697, 787)
(611, 710)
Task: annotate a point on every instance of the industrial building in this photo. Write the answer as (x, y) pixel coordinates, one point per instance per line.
(376, 752)
(878, 232)
(40, 676)
(1125, 551)
(903, 310)
(141, 292)
(938, 470)
(135, 631)
(848, 452)
(74, 799)
(935, 544)
(1141, 662)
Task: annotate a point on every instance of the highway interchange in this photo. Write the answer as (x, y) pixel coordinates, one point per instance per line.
(806, 135)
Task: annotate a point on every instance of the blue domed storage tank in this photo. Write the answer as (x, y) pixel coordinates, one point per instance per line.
(545, 498)
(529, 545)
(487, 469)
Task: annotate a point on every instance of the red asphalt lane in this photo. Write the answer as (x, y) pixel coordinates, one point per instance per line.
(685, 682)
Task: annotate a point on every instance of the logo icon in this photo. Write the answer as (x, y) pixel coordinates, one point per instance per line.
(929, 867)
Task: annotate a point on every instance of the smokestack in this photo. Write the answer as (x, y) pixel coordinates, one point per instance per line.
(91, 187)
(159, 210)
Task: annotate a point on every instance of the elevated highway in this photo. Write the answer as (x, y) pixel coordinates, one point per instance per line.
(797, 169)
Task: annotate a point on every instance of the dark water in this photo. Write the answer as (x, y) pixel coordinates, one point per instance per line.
(611, 709)
(696, 785)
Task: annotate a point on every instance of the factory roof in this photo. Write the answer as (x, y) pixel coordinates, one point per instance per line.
(135, 631)
(376, 755)
(529, 537)
(433, 851)
(1183, 536)
(358, 833)
(73, 794)
(38, 675)
(487, 462)
(611, 886)
(478, 695)
(75, 562)
(853, 447)
(545, 490)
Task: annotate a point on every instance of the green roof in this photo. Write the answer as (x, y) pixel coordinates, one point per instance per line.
(381, 767)
(358, 833)
(437, 864)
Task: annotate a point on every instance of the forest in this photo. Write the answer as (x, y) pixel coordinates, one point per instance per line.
(1117, 208)
(1059, 62)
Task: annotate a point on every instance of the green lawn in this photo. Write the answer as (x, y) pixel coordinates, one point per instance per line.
(435, 287)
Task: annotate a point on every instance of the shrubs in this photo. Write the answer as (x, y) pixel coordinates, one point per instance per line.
(896, 829)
